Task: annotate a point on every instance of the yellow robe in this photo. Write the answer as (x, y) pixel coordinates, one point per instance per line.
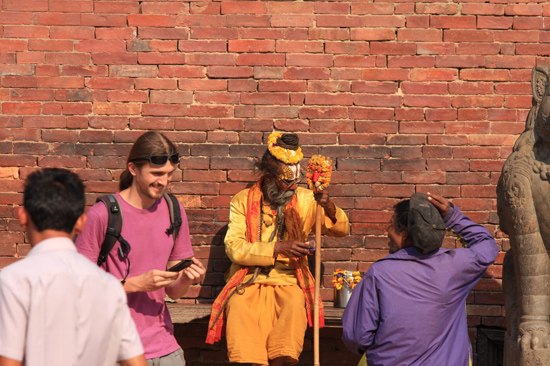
(267, 321)
(241, 252)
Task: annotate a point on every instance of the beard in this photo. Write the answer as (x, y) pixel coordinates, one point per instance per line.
(152, 191)
(156, 192)
(394, 248)
(276, 197)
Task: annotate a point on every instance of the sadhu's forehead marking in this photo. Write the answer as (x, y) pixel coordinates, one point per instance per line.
(290, 172)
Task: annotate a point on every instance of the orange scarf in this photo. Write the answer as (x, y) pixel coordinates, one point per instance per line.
(303, 274)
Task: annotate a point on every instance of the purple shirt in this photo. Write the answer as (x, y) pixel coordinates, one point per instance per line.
(151, 248)
(409, 309)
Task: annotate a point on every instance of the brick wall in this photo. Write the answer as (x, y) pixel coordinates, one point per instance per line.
(404, 95)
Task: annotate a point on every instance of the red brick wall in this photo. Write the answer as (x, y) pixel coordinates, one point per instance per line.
(405, 96)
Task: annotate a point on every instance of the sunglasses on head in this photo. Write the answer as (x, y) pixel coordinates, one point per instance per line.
(161, 159)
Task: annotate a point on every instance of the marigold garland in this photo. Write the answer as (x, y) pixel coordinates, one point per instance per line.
(287, 156)
(343, 278)
(319, 172)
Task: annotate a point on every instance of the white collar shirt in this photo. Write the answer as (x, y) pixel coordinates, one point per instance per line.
(59, 308)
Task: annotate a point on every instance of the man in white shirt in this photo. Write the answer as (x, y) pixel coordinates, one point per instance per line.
(57, 307)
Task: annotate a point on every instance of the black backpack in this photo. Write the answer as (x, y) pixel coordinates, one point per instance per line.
(114, 225)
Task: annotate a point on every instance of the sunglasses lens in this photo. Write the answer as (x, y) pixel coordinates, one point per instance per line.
(158, 159)
(174, 158)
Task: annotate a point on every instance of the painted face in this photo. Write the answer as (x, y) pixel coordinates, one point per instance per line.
(289, 177)
(152, 180)
(397, 240)
(290, 172)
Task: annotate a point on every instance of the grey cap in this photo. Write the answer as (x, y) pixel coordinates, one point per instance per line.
(425, 225)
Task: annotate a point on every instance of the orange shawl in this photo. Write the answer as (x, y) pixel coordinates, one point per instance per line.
(303, 274)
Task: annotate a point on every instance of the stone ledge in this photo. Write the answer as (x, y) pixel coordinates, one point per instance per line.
(187, 313)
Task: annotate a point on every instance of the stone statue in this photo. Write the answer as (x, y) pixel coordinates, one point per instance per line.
(523, 200)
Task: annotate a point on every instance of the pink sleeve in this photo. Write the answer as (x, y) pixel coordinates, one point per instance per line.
(88, 243)
(182, 249)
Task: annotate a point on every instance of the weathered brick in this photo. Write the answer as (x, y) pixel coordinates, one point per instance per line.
(161, 123)
(286, 20)
(164, 8)
(419, 35)
(260, 60)
(150, 20)
(171, 97)
(119, 58)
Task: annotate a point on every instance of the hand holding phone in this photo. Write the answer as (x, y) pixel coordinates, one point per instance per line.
(181, 265)
(312, 246)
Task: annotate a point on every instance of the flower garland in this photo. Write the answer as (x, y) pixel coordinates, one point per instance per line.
(343, 278)
(319, 171)
(287, 156)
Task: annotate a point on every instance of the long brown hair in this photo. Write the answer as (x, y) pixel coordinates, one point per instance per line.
(150, 143)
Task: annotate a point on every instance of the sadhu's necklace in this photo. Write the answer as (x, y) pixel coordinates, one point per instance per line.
(279, 230)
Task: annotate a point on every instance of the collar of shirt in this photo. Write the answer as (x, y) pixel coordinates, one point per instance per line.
(51, 244)
(412, 254)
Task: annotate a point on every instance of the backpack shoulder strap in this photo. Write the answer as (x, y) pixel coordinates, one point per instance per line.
(114, 226)
(175, 215)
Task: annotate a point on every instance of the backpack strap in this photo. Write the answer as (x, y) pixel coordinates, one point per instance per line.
(114, 227)
(175, 215)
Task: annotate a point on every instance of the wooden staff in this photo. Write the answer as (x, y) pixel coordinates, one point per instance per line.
(317, 284)
(319, 171)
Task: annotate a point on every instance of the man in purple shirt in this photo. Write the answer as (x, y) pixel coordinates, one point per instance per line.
(409, 308)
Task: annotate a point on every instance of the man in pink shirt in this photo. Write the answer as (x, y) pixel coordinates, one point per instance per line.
(142, 271)
(57, 308)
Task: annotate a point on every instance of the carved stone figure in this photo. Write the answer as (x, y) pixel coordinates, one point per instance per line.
(523, 200)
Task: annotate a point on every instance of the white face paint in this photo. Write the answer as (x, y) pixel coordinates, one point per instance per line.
(291, 172)
(295, 170)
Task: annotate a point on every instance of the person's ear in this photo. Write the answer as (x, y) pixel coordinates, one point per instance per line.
(79, 225)
(406, 239)
(132, 168)
(23, 217)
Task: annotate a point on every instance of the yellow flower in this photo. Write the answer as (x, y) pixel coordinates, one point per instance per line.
(322, 165)
(356, 273)
(339, 286)
(287, 156)
(357, 279)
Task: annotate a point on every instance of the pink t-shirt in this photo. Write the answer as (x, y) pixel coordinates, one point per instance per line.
(151, 248)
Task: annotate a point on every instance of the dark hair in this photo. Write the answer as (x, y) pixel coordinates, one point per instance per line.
(54, 199)
(401, 215)
(150, 143)
(268, 163)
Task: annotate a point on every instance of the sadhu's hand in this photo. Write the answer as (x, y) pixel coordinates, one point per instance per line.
(291, 248)
(324, 200)
(441, 203)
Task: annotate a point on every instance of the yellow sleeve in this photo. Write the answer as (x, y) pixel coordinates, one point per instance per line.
(236, 247)
(308, 209)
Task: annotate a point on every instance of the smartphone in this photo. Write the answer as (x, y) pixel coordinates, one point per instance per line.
(181, 265)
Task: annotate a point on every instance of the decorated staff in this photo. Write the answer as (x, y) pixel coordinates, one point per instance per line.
(319, 172)
(269, 298)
